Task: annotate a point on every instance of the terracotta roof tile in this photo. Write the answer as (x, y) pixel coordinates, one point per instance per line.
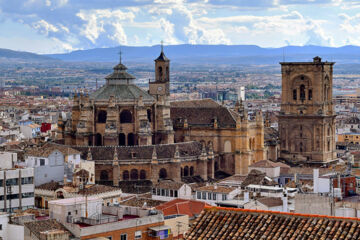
(191, 208)
(225, 223)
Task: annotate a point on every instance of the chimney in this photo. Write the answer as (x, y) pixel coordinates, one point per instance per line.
(316, 180)
(246, 197)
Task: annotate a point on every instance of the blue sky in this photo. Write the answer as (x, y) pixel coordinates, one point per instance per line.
(51, 26)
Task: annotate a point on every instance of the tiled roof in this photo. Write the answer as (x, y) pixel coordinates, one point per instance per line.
(169, 184)
(123, 92)
(268, 164)
(271, 201)
(225, 223)
(140, 202)
(257, 177)
(201, 113)
(37, 227)
(214, 188)
(47, 149)
(141, 152)
(202, 103)
(51, 186)
(191, 208)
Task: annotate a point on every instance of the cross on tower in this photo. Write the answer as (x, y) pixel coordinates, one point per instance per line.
(120, 53)
(162, 45)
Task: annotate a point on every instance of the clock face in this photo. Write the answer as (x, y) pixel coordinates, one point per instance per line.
(160, 88)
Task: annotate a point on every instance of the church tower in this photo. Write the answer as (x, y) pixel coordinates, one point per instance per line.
(160, 90)
(307, 119)
(161, 86)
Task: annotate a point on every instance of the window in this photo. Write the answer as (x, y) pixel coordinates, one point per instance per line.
(12, 181)
(302, 92)
(123, 236)
(310, 94)
(42, 162)
(175, 193)
(138, 235)
(69, 213)
(209, 196)
(26, 180)
(125, 116)
(224, 197)
(0, 226)
(154, 191)
(27, 195)
(158, 192)
(214, 196)
(294, 94)
(162, 192)
(102, 115)
(204, 195)
(198, 195)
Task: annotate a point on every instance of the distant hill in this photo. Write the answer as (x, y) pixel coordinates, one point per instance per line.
(6, 54)
(218, 54)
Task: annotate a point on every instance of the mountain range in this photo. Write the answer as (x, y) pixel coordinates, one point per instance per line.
(216, 54)
(198, 54)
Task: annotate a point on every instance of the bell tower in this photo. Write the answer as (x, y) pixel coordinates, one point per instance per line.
(161, 85)
(306, 118)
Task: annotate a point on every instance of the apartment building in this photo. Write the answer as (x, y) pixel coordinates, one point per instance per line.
(16, 189)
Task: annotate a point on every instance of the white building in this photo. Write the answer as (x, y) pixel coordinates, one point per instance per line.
(30, 131)
(10, 231)
(48, 162)
(168, 190)
(8, 160)
(213, 194)
(16, 189)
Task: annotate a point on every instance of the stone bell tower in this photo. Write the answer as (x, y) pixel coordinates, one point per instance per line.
(160, 90)
(161, 85)
(307, 119)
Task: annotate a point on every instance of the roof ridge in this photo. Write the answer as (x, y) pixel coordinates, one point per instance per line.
(212, 208)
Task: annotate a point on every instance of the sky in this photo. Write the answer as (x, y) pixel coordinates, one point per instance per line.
(56, 26)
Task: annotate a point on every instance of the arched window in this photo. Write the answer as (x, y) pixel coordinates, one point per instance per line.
(181, 172)
(142, 174)
(131, 139)
(126, 175)
(310, 94)
(191, 171)
(98, 139)
(186, 171)
(328, 146)
(122, 139)
(102, 116)
(149, 114)
(134, 175)
(294, 94)
(160, 71)
(162, 173)
(104, 176)
(126, 117)
(302, 92)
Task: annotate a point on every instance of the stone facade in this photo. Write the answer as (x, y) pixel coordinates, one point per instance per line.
(307, 118)
(130, 133)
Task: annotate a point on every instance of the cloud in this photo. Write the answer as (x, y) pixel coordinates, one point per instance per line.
(80, 24)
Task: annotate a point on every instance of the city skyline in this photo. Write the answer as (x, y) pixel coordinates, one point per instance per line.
(53, 26)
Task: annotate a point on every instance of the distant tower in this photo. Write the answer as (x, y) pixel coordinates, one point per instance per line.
(307, 119)
(161, 86)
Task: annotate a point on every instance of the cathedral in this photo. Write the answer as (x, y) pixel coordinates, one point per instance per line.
(135, 135)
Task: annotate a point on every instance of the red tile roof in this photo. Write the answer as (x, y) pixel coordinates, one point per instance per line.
(230, 223)
(191, 208)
